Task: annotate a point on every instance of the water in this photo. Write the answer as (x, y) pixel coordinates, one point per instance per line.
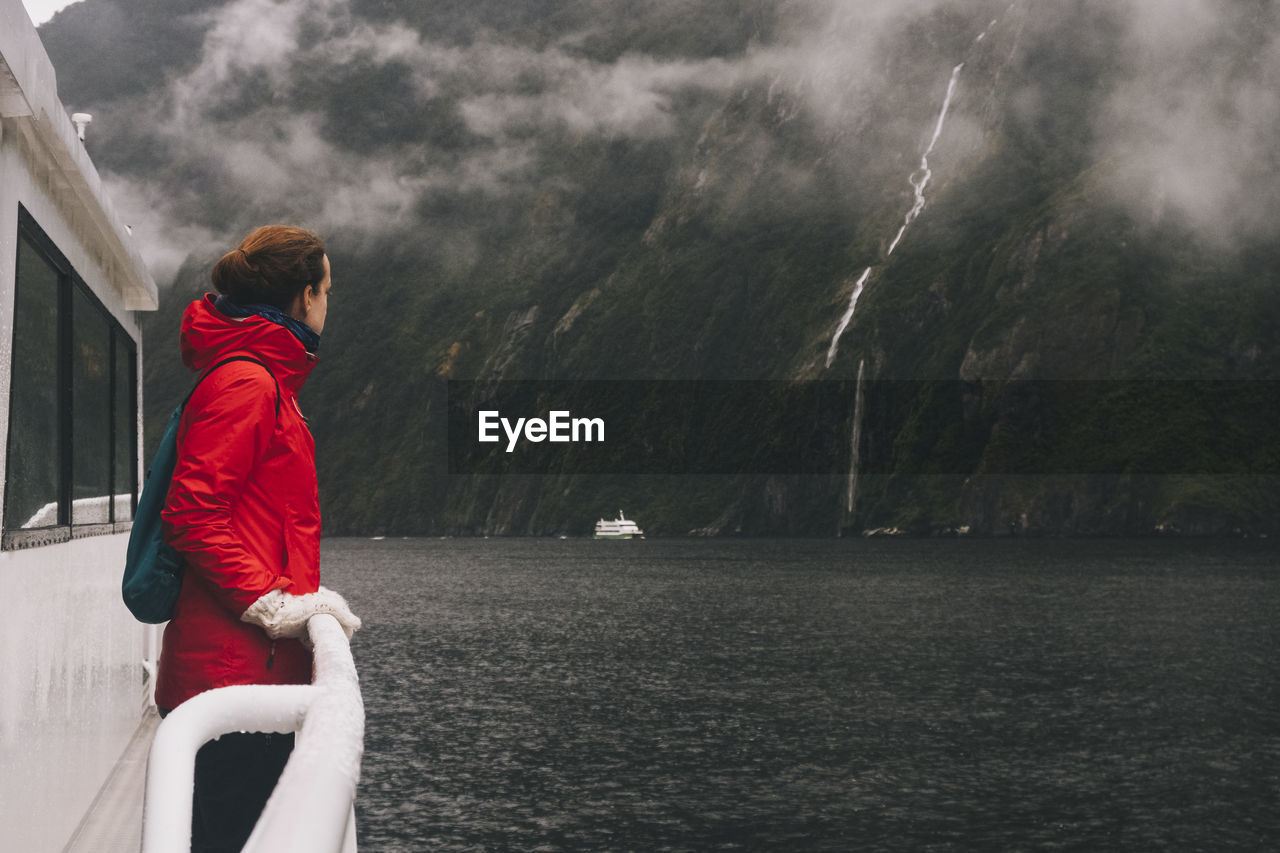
(815, 695)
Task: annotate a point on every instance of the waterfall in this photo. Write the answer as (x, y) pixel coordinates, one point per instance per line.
(848, 315)
(919, 179)
(851, 489)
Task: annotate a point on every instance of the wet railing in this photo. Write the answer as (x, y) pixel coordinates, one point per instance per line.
(311, 808)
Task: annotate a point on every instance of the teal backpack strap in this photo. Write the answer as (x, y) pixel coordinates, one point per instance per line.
(152, 568)
(228, 360)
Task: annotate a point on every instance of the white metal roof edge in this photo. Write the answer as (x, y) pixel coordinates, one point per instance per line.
(29, 95)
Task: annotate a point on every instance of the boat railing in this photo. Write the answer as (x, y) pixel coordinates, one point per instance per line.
(312, 807)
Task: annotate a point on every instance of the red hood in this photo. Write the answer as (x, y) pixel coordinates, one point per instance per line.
(208, 335)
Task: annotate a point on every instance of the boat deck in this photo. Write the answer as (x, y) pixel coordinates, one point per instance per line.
(113, 823)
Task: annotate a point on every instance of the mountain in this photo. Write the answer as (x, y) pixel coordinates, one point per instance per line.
(1030, 245)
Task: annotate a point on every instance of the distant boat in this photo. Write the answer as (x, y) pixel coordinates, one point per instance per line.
(621, 528)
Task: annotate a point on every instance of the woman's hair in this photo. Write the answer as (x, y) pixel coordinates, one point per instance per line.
(271, 266)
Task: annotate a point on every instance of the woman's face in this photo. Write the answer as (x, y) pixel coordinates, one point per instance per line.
(312, 305)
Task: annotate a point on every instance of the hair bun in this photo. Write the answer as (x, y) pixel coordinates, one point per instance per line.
(285, 261)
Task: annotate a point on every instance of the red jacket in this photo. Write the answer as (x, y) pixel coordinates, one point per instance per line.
(242, 509)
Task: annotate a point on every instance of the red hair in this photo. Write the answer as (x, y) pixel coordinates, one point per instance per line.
(272, 266)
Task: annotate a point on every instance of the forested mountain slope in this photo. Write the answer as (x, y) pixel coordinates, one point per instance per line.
(1043, 234)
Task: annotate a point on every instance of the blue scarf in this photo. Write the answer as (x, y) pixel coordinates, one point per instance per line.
(300, 330)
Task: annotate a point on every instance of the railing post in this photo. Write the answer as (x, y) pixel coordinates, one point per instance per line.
(311, 808)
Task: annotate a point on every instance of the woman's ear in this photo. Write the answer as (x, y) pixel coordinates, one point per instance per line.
(301, 304)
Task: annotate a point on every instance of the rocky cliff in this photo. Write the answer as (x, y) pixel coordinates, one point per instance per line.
(1040, 232)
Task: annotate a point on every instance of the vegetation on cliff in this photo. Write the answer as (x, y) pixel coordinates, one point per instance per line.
(671, 191)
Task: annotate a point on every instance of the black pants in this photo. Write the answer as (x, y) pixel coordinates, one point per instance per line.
(235, 775)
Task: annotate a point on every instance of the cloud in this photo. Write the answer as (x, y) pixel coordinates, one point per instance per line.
(1190, 132)
(631, 97)
(164, 236)
(243, 147)
(257, 36)
(268, 124)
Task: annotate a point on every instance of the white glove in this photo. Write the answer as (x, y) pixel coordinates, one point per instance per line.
(283, 615)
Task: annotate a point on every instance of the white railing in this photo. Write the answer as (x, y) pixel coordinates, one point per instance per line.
(311, 808)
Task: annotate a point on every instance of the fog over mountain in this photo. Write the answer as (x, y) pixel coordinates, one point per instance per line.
(676, 189)
(331, 112)
(348, 115)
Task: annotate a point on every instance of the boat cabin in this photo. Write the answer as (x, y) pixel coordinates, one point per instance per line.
(74, 664)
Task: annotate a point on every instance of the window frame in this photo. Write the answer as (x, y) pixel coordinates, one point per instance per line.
(121, 344)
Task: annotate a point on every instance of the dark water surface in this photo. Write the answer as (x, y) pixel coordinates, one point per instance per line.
(536, 694)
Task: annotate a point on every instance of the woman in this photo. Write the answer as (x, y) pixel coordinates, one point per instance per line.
(243, 510)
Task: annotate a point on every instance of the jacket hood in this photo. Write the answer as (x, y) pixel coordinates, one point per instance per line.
(209, 335)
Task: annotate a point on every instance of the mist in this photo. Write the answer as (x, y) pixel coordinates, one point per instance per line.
(1189, 131)
(314, 111)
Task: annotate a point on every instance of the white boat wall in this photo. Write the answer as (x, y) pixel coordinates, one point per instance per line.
(73, 662)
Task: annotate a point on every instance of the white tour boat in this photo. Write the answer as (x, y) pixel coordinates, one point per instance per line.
(619, 528)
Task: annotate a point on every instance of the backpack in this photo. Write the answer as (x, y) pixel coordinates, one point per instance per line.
(152, 568)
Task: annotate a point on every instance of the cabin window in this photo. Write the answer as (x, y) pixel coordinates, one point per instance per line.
(71, 461)
(124, 429)
(90, 411)
(32, 481)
